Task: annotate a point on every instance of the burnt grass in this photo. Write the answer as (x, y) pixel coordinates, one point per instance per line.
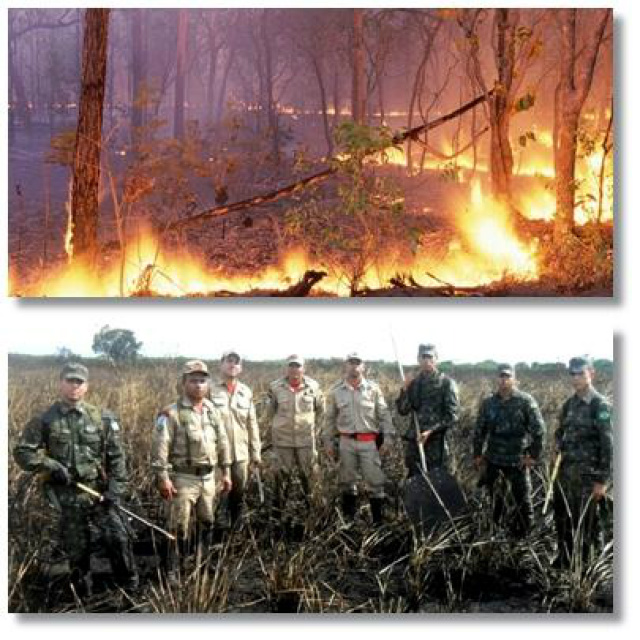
(310, 560)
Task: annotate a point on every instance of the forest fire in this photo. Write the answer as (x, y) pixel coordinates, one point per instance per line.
(485, 249)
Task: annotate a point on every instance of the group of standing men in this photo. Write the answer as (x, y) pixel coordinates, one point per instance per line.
(211, 436)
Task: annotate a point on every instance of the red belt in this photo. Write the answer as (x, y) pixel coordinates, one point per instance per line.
(361, 437)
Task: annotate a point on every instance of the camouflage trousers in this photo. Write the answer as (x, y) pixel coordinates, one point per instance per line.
(435, 453)
(197, 493)
(78, 512)
(510, 491)
(361, 458)
(579, 519)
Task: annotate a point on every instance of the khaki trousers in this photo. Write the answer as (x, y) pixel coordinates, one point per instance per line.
(197, 492)
(361, 458)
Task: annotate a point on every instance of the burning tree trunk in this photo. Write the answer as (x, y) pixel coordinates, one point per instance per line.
(577, 68)
(86, 164)
(359, 94)
(181, 66)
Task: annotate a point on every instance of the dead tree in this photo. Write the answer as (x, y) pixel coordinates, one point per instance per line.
(576, 71)
(86, 162)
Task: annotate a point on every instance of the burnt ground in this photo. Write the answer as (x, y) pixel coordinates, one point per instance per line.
(319, 565)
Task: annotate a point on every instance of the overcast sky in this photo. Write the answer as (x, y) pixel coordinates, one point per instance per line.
(273, 331)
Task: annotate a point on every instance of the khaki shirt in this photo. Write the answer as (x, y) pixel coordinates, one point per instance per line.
(295, 415)
(185, 438)
(360, 410)
(239, 419)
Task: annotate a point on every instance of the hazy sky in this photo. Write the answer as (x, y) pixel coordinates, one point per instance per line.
(467, 333)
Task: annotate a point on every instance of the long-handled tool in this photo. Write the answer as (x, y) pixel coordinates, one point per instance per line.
(552, 480)
(131, 514)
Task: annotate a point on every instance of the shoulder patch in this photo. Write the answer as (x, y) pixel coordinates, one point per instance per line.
(161, 422)
(604, 414)
(115, 426)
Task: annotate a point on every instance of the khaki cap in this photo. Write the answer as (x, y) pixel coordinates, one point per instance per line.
(195, 366)
(295, 359)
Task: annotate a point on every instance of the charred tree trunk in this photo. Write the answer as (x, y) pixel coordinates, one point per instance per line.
(222, 92)
(86, 164)
(20, 102)
(181, 67)
(576, 76)
(359, 92)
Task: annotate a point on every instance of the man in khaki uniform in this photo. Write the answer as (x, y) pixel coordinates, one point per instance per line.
(188, 444)
(296, 409)
(358, 420)
(234, 401)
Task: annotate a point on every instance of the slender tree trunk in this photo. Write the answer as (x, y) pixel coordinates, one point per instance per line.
(21, 103)
(181, 66)
(272, 113)
(336, 98)
(86, 165)
(223, 87)
(576, 76)
(359, 92)
(323, 105)
(138, 76)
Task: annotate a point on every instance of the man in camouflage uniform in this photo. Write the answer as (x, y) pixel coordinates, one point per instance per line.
(73, 441)
(234, 401)
(508, 440)
(296, 409)
(187, 446)
(433, 397)
(357, 420)
(584, 439)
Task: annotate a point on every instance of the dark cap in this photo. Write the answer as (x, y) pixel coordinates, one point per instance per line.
(354, 355)
(427, 350)
(74, 371)
(506, 369)
(231, 352)
(579, 364)
(195, 366)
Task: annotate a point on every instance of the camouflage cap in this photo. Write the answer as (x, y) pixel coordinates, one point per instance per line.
(427, 350)
(506, 369)
(230, 352)
(579, 364)
(295, 359)
(74, 371)
(195, 366)
(354, 355)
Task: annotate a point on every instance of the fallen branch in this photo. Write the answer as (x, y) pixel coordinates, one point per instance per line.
(217, 212)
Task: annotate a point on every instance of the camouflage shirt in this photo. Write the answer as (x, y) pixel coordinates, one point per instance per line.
(87, 441)
(434, 398)
(585, 435)
(510, 428)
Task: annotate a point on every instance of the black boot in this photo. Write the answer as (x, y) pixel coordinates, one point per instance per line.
(349, 505)
(236, 511)
(377, 510)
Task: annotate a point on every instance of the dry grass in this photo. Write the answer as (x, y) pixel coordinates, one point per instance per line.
(312, 562)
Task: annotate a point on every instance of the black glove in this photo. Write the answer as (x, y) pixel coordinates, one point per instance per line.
(110, 499)
(59, 475)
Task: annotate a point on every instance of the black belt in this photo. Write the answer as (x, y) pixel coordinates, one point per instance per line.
(195, 471)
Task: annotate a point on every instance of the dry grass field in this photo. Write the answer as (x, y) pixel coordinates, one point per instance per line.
(307, 563)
